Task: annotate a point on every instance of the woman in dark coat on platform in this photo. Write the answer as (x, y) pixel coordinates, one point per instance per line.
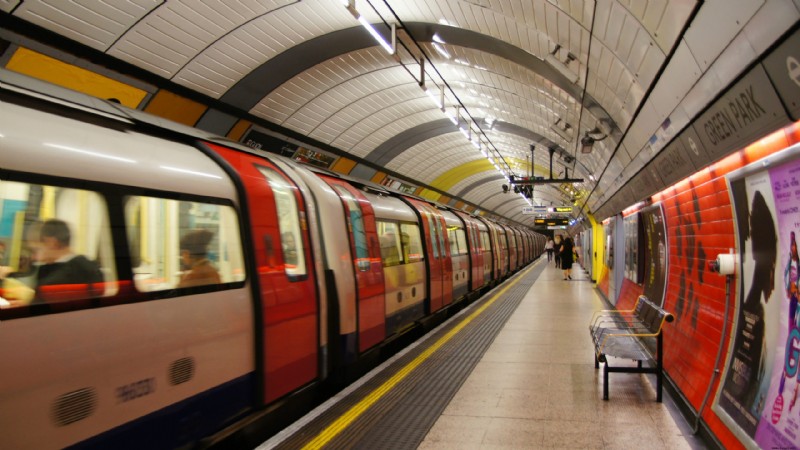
(566, 257)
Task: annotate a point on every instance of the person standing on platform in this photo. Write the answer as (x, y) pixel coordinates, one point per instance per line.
(549, 246)
(566, 257)
(557, 249)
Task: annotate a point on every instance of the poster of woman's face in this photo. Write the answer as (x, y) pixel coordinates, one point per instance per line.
(757, 392)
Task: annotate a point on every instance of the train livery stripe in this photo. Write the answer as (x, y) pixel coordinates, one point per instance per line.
(361, 407)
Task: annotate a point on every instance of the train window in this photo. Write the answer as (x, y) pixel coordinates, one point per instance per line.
(289, 223)
(55, 246)
(485, 244)
(355, 219)
(400, 244)
(458, 241)
(390, 243)
(411, 242)
(435, 244)
(177, 243)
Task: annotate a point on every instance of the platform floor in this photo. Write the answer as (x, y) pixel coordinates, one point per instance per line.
(513, 370)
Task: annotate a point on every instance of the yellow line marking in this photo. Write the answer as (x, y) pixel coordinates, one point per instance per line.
(361, 407)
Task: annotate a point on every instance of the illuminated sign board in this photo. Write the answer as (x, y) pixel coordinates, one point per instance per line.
(552, 222)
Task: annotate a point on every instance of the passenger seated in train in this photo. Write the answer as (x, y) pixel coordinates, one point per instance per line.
(56, 274)
(194, 258)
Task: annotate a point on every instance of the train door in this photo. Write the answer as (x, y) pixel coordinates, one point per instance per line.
(513, 256)
(366, 253)
(287, 330)
(475, 252)
(436, 248)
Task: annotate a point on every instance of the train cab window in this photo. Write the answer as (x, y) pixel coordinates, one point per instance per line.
(289, 223)
(55, 247)
(182, 244)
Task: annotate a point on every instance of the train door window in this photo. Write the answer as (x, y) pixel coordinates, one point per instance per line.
(435, 244)
(485, 244)
(458, 241)
(390, 243)
(411, 242)
(355, 220)
(440, 235)
(181, 244)
(289, 223)
(55, 246)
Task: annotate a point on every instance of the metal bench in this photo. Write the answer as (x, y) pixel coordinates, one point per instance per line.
(634, 334)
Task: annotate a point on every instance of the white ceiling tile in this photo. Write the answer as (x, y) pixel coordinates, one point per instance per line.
(613, 30)
(715, 25)
(95, 24)
(627, 36)
(733, 59)
(706, 88)
(677, 79)
(654, 14)
(770, 22)
(652, 62)
(672, 22)
(8, 5)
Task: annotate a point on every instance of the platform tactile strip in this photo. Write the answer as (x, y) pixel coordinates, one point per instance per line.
(405, 414)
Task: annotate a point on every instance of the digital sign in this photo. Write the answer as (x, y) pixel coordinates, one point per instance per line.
(551, 222)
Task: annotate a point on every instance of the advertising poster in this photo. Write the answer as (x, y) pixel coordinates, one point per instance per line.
(758, 393)
(655, 253)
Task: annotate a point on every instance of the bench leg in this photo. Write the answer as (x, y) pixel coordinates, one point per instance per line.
(658, 385)
(596, 362)
(605, 382)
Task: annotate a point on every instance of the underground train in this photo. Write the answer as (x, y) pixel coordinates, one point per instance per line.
(160, 286)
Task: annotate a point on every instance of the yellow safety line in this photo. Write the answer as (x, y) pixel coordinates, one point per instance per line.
(361, 407)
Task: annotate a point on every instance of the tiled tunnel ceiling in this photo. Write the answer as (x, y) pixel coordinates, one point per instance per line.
(310, 67)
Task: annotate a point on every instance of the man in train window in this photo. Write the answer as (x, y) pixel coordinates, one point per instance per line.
(63, 275)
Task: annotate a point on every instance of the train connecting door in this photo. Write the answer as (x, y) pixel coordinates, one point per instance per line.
(288, 310)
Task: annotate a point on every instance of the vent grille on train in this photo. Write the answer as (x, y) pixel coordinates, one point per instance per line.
(181, 371)
(74, 406)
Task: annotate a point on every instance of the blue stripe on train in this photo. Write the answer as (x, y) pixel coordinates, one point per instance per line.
(184, 422)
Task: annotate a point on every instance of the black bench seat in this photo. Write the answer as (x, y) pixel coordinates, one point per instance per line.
(634, 334)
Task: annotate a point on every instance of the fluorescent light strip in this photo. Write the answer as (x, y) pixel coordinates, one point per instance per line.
(375, 34)
(433, 97)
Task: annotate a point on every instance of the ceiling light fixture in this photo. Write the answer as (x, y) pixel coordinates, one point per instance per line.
(562, 66)
(430, 75)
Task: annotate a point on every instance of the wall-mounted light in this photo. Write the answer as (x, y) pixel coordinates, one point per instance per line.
(590, 137)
